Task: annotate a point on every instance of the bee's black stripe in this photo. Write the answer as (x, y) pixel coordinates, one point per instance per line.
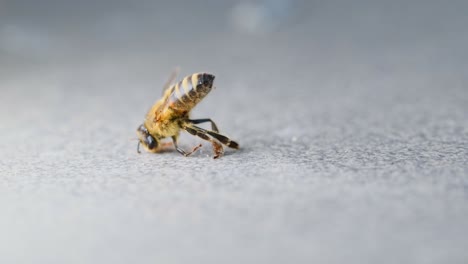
(193, 89)
(181, 96)
(188, 88)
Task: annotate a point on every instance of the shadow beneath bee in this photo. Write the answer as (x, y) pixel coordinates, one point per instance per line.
(204, 152)
(166, 150)
(230, 152)
(207, 151)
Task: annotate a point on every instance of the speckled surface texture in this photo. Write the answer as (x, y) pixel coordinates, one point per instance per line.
(354, 147)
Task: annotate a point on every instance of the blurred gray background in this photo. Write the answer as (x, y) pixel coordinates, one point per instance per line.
(352, 118)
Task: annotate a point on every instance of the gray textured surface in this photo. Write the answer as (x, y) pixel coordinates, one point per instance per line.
(353, 123)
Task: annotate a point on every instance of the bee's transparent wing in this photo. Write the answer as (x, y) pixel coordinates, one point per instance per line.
(171, 79)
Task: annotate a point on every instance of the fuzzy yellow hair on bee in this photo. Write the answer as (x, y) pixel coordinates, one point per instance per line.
(170, 114)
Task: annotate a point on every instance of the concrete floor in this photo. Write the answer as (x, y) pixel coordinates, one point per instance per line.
(353, 149)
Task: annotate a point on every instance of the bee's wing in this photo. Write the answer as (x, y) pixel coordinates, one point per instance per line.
(160, 105)
(171, 79)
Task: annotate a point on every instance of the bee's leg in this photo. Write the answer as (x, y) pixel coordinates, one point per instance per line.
(204, 120)
(223, 139)
(181, 151)
(217, 148)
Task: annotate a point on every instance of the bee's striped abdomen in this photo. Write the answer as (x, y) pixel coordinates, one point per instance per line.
(185, 94)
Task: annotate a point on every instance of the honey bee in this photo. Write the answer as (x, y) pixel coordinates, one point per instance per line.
(169, 115)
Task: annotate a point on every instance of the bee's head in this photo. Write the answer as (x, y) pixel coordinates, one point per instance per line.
(145, 138)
